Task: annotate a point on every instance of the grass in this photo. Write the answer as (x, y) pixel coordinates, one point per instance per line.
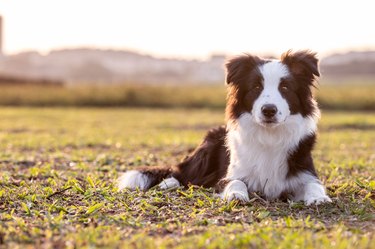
(132, 95)
(57, 184)
(357, 95)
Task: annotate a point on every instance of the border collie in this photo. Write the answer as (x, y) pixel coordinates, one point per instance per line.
(265, 147)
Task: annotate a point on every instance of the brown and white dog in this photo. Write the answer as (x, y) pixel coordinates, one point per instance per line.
(265, 147)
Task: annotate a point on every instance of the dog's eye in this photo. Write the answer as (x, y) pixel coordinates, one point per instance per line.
(284, 87)
(257, 87)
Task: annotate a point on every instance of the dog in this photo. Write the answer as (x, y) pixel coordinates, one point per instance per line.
(266, 144)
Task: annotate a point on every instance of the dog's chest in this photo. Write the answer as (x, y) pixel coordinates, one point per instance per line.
(262, 166)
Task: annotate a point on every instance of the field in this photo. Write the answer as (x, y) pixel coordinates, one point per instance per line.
(355, 95)
(58, 168)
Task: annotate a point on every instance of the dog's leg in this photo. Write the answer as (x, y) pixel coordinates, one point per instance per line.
(235, 190)
(312, 191)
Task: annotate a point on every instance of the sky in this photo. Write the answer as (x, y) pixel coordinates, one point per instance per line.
(191, 28)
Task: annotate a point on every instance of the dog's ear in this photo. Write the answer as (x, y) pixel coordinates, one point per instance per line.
(301, 63)
(238, 67)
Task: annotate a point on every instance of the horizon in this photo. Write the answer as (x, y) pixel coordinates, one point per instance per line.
(166, 57)
(187, 30)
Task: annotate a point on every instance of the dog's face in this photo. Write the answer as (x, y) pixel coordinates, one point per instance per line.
(271, 90)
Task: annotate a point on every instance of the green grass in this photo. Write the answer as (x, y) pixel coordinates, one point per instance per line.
(354, 96)
(132, 95)
(57, 184)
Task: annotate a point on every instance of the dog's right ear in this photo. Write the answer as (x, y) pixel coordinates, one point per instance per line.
(238, 67)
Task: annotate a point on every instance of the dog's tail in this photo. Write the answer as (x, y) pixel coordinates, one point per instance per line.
(144, 178)
(204, 167)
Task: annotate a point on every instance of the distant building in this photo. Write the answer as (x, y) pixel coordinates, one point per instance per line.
(1, 35)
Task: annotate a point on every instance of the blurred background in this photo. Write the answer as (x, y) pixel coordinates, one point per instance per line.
(171, 53)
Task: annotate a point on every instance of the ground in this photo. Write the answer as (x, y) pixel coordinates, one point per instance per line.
(58, 171)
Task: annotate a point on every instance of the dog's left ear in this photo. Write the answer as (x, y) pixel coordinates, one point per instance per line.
(302, 63)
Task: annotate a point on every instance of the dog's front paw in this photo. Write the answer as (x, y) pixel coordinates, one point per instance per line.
(314, 193)
(235, 190)
(237, 195)
(317, 200)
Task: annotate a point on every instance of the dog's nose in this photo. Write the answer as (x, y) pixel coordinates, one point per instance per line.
(269, 110)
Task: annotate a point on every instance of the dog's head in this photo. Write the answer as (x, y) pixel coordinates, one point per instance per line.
(271, 90)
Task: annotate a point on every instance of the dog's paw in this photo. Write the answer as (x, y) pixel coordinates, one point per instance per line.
(317, 200)
(235, 190)
(169, 183)
(237, 195)
(314, 193)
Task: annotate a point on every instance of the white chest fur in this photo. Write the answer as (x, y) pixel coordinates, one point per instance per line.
(259, 154)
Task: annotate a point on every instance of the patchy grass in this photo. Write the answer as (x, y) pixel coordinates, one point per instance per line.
(57, 184)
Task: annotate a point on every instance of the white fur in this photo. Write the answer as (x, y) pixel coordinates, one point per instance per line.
(315, 194)
(133, 179)
(169, 183)
(259, 154)
(259, 158)
(235, 190)
(272, 73)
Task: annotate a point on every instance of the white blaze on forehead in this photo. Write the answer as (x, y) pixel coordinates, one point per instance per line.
(272, 73)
